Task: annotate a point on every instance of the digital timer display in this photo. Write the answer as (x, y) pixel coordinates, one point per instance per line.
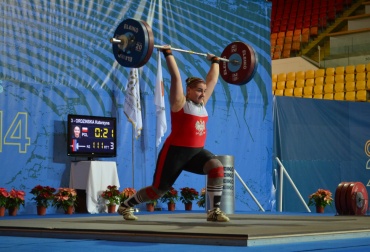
(91, 136)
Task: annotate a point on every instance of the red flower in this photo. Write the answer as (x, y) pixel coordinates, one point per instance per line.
(171, 196)
(15, 198)
(4, 194)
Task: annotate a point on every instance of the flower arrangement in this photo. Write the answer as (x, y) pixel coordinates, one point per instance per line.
(126, 193)
(64, 198)
(43, 195)
(202, 198)
(15, 199)
(188, 194)
(112, 195)
(4, 194)
(171, 196)
(320, 198)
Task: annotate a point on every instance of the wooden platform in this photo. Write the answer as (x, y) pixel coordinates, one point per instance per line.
(191, 228)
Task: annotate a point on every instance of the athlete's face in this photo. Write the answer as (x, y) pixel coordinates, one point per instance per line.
(196, 93)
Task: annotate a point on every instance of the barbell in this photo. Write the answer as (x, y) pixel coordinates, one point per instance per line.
(133, 44)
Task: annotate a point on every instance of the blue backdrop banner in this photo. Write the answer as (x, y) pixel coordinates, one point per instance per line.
(321, 143)
(56, 59)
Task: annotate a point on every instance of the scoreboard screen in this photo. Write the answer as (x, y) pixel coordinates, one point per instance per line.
(91, 136)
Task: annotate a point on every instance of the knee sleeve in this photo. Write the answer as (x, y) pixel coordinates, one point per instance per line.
(214, 169)
(149, 193)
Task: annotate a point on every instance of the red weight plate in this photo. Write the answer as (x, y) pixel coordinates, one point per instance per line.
(242, 72)
(139, 43)
(359, 201)
(342, 200)
(348, 198)
(337, 198)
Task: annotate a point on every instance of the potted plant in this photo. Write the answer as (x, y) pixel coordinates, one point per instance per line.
(43, 195)
(150, 205)
(187, 196)
(170, 197)
(321, 198)
(65, 198)
(13, 202)
(112, 195)
(202, 198)
(4, 194)
(126, 193)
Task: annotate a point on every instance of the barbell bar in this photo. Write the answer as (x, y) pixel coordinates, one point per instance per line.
(124, 42)
(133, 44)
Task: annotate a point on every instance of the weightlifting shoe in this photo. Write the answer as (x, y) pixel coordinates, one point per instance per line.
(217, 215)
(126, 212)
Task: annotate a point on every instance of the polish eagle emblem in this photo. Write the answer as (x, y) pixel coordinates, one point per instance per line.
(200, 126)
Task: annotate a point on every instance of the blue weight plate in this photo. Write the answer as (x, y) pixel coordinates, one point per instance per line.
(139, 43)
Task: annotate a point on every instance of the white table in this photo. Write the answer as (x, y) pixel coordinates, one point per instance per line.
(94, 177)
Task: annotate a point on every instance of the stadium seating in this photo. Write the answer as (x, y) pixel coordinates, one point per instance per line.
(350, 83)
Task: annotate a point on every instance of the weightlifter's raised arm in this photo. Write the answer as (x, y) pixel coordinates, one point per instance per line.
(177, 97)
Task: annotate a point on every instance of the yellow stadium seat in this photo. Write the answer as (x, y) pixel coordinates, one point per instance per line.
(361, 76)
(349, 77)
(329, 79)
(288, 92)
(339, 78)
(280, 85)
(368, 67)
(330, 71)
(274, 77)
(317, 96)
(290, 84)
(282, 77)
(298, 91)
(360, 68)
(307, 91)
(328, 96)
(310, 74)
(339, 70)
(338, 87)
(300, 83)
(273, 85)
(328, 88)
(362, 95)
(350, 69)
(279, 92)
(319, 81)
(339, 96)
(300, 75)
(350, 96)
(310, 82)
(319, 73)
(290, 76)
(350, 86)
(363, 85)
(318, 89)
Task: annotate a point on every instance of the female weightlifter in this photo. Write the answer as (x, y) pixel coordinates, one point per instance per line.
(183, 150)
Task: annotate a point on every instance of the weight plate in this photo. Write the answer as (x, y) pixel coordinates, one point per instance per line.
(242, 72)
(150, 43)
(342, 200)
(139, 47)
(348, 198)
(358, 203)
(337, 198)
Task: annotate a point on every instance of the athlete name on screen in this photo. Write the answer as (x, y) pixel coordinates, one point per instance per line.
(90, 121)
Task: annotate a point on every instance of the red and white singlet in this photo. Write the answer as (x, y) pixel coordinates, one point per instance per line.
(189, 126)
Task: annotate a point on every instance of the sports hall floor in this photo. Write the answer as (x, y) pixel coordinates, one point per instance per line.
(186, 231)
